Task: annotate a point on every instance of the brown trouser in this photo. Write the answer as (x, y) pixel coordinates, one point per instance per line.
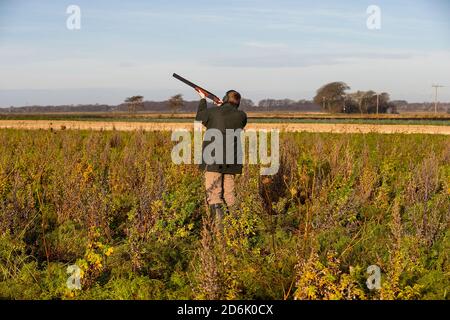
(219, 187)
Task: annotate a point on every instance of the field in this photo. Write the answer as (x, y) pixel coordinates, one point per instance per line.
(169, 126)
(254, 117)
(427, 123)
(113, 203)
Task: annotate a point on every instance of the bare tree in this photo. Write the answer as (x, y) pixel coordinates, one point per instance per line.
(176, 102)
(367, 101)
(134, 103)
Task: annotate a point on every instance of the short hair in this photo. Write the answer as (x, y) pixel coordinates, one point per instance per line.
(233, 97)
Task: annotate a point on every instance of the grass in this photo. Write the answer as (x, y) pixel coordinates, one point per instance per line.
(114, 204)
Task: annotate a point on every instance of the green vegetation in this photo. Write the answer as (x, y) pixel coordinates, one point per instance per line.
(114, 204)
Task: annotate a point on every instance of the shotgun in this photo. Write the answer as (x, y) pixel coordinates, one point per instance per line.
(208, 94)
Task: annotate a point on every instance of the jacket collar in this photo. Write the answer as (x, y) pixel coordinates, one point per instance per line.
(229, 105)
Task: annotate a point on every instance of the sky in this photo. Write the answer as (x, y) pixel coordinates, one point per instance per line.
(262, 48)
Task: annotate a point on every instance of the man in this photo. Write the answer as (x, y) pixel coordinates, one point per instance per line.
(219, 177)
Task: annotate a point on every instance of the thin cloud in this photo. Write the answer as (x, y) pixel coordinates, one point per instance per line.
(302, 59)
(265, 45)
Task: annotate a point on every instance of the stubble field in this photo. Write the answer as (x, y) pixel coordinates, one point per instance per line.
(173, 125)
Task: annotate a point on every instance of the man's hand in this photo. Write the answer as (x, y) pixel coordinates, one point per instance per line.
(201, 94)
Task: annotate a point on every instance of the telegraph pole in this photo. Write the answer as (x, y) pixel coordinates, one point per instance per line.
(378, 101)
(436, 87)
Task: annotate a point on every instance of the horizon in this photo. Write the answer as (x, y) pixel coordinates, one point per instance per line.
(275, 49)
(256, 103)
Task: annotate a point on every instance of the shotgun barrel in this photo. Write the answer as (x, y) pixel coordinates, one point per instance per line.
(208, 94)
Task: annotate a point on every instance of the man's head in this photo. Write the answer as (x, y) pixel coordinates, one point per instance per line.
(233, 97)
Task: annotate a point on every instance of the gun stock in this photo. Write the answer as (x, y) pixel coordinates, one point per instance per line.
(208, 94)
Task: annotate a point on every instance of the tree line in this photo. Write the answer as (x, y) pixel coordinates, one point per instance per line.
(332, 97)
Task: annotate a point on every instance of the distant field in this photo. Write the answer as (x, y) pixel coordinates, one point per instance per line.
(260, 117)
(287, 126)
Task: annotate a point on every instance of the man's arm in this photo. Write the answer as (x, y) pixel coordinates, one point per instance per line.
(202, 111)
(244, 122)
